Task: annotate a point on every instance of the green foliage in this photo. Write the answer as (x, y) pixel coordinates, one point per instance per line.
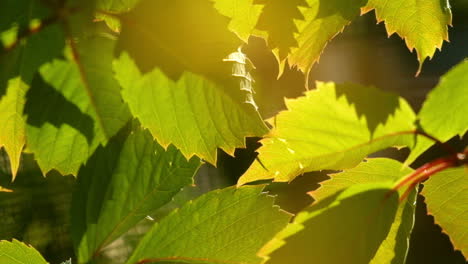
(395, 246)
(223, 226)
(452, 120)
(423, 25)
(120, 185)
(347, 227)
(446, 196)
(192, 113)
(304, 138)
(132, 105)
(16, 252)
(85, 91)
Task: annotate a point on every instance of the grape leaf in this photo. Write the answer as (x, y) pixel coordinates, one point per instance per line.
(12, 128)
(422, 24)
(443, 115)
(19, 64)
(86, 94)
(108, 10)
(194, 114)
(16, 252)
(177, 36)
(280, 35)
(120, 185)
(446, 196)
(222, 226)
(347, 227)
(300, 29)
(243, 13)
(115, 6)
(395, 246)
(333, 127)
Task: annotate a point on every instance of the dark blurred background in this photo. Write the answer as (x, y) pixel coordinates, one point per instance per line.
(37, 211)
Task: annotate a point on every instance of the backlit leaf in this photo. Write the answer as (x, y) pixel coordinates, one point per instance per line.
(243, 13)
(299, 30)
(16, 252)
(347, 227)
(444, 113)
(193, 113)
(333, 127)
(222, 226)
(120, 185)
(395, 246)
(19, 63)
(423, 24)
(446, 197)
(74, 106)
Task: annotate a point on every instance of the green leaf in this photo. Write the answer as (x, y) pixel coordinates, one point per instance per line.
(347, 227)
(333, 127)
(85, 93)
(300, 29)
(193, 113)
(108, 10)
(120, 185)
(16, 252)
(446, 196)
(177, 36)
(377, 170)
(222, 226)
(244, 15)
(12, 128)
(19, 64)
(443, 115)
(115, 6)
(422, 24)
(277, 21)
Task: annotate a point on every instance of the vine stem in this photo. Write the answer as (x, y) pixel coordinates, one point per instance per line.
(429, 169)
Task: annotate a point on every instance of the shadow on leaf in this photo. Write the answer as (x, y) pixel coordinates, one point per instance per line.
(346, 230)
(277, 19)
(44, 104)
(374, 105)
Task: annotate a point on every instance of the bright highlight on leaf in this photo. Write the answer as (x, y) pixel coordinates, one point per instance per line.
(120, 185)
(222, 226)
(446, 196)
(423, 24)
(444, 115)
(193, 113)
(378, 170)
(243, 13)
(16, 252)
(347, 227)
(333, 127)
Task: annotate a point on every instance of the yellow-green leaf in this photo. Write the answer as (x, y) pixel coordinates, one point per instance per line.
(446, 197)
(347, 227)
(243, 13)
(193, 113)
(16, 252)
(333, 127)
(222, 226)
(444, 113)
(395, 246)
(422, 24)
